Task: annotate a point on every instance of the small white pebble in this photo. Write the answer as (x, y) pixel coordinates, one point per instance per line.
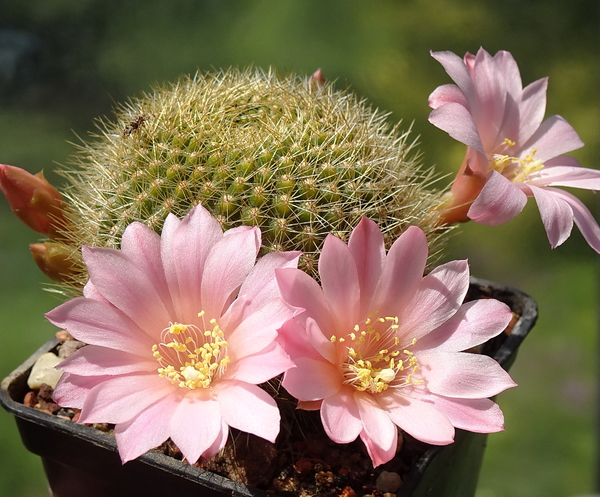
(388, 482)
(43, 371)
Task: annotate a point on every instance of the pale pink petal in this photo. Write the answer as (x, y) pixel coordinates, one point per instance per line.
(312, 379)
(99, 323)
(261, 286)
(120, 398)
(437, 298)
(72, 390)
(147, 430)
(320, 342)
(260, 367)
(98, 361)
(463, 375)
(565, 175)
(259, 329)
(118, 278)
(339, 280)
(195, 236)
(90, 292)
(499, 201)
(446, 94)
(377, 454)
(340, 417)
(402, 272)
(554, 137)
(473, 324)
(458, 122)
(219, 442)
(377, 424)
(300, 290)
(556, 215)
(196, 424)
(457, 70)
(228, 263)
(476, 415)
(295, 341)
(531, 110)
(583, 219)
(260, 415)
(367, 247)
(143, 245)
(420, 419)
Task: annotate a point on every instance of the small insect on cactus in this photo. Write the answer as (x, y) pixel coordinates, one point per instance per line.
(293, 156)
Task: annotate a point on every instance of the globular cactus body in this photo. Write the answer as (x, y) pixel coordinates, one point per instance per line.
(293, 156)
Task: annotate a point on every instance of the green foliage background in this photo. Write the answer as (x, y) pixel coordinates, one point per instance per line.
(96, 52)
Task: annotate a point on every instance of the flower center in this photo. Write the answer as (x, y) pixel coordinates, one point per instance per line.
(514, 168)
(190, 357)
(375, 358)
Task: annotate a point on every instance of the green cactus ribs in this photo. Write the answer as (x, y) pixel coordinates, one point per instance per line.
(293, 156)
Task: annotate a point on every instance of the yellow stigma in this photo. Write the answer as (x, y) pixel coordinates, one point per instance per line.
(191, 357)
(373, 362)
(514, 168)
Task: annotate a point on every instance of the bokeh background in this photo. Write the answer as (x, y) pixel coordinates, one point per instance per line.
(64, 62)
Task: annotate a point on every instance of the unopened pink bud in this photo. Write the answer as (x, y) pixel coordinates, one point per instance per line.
(318, 78)
(34, 201)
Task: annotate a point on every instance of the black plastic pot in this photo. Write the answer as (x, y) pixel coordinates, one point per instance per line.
(82, 461)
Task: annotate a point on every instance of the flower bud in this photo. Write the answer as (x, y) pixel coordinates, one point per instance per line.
(54, 259)
(34, 201)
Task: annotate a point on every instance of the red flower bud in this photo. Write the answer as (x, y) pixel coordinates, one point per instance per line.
(34, 201)
(54, 260)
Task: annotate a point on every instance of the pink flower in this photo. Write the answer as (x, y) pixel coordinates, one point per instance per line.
(379, 345)
(512, 153)
(181, 329)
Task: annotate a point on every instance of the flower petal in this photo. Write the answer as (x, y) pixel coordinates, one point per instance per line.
(264, 418)
(258, 330)
(473, 324)
(438, 297)
(556, 215)
(312, 379)
(196, 424)
(340, 417)
(367, 247)
(185, 247)
(377, 454)
(260, 367)
(583, 219)
(499, 201)
(377, 425)
(420, 419)
(120, 398)
(92, 360)
(300, 290)
(446, 94)
(463, 375)
(402, 272)
(476, 415)
(98, 323)
(126, 286)
(458, 122)
(147, 430)
(227, 265)
(554, 137)
(567, 175)
(339, 280)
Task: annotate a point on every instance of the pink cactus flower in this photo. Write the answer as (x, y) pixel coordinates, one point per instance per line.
(512, 152)
(181, 329)
(379, 346)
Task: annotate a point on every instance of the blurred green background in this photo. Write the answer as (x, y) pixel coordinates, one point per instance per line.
(75, 58)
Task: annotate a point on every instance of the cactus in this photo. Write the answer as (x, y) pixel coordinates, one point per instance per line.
(293, 156)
